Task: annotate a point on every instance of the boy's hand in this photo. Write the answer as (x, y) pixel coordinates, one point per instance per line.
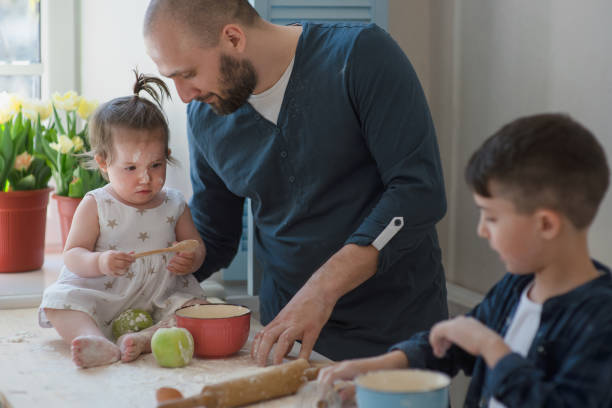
(182, 263)
(469, 334)
(349, 369)
(115, 263)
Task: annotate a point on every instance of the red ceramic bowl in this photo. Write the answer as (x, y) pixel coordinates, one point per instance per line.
(218, 330)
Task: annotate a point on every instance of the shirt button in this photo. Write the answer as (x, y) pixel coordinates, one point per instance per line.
(283, 154)
(291, 179)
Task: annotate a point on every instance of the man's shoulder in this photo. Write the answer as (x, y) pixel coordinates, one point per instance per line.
(321, 35)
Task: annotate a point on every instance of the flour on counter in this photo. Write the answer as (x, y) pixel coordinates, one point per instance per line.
(18, 337)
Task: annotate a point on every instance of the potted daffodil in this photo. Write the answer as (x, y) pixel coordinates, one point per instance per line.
(62, 145)
(24, 193)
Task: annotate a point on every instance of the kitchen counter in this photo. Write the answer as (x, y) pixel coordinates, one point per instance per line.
(36, 370)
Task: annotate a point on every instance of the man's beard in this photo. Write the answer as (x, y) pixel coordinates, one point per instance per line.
(238, 80)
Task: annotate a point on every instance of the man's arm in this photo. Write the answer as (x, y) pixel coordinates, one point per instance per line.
(308, 311)
(216, 212)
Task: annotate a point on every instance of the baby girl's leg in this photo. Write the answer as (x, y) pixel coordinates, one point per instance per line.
(134, 344)
(88, 346)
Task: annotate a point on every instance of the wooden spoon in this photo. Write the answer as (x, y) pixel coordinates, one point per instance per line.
(188, 245)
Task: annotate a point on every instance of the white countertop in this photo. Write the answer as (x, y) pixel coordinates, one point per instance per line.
(36, 370)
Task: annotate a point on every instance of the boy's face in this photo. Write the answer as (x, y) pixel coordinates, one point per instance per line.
(514, 236)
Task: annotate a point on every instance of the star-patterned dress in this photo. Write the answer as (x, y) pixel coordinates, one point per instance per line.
(147, 285)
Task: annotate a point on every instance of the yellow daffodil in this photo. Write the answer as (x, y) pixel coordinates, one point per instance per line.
(86, 108)
(5, 116)
(23, 161)
(78, 143)
(44, 110)
(15, 101)
(32, 108)
(68, 102)
(8, 103)
(63, 145)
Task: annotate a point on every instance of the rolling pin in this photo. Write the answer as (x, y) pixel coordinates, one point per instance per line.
(278, 381)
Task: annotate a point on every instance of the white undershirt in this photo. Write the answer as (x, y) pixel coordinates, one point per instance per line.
(522, 330)
(268, 103)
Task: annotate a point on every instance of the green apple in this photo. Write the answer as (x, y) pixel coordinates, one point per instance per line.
(131, 321)
(172, 347)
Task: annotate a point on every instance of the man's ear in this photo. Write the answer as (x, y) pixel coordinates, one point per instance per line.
(233, 37)
(101, 162)
(169, 152)
(549, 222)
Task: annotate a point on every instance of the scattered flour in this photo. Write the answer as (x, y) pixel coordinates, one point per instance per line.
(19, 337)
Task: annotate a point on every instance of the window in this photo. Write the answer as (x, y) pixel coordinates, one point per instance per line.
(21, 67)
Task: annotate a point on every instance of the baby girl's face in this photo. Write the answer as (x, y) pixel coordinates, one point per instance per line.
(137, 171)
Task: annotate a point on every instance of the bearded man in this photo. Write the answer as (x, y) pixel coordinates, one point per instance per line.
(326, 129)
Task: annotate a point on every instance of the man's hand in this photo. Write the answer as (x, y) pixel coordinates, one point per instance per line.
(308, 311)
(469, 334)
(301, 319)
(115, 263)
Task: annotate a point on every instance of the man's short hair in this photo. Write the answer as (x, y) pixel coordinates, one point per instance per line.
(202, 18)
(543, 161)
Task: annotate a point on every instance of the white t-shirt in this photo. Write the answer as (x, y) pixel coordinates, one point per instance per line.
(268, 103)
(522, 330)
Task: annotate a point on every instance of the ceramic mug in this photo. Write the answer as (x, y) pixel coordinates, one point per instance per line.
(402, 388)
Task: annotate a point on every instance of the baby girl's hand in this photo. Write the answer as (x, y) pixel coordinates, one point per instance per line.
(182, 263)
(115, 263)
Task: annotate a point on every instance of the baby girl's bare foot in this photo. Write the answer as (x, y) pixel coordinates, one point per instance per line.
(134, 344)
(92, 351)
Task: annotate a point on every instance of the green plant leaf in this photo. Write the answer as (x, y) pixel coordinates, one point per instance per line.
(6, 153)
(75, 189)
(20, 138)
(41, 172)
(17, 125)
(57, 122)
(2, 173)
(26, 183)
(7, 143)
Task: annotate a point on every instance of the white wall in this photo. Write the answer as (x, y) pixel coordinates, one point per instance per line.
(504, 60)
(111, 44)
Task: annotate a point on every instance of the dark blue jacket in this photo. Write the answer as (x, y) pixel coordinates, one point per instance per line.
(569, 363)
(353, 147)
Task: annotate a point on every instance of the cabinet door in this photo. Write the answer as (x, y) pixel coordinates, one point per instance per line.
(358, 11)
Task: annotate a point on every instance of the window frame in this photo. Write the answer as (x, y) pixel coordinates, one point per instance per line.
(57, 68)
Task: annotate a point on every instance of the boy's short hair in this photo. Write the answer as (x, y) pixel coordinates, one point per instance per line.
(543, 161)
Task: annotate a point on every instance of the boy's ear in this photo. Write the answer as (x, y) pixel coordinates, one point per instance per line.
(549, 223)
(101, 162)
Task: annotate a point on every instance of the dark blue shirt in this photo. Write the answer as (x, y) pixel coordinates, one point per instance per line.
(353, 147)
(569, 363)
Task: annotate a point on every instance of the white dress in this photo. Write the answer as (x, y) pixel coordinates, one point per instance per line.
(147, 285)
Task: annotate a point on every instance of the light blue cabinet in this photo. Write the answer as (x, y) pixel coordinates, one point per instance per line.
(359, 11)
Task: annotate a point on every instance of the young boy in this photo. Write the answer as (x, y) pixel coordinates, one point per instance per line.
(542, 336)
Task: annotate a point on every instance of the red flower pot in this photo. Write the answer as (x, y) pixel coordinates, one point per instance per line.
(23, 217)
(66, 206)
